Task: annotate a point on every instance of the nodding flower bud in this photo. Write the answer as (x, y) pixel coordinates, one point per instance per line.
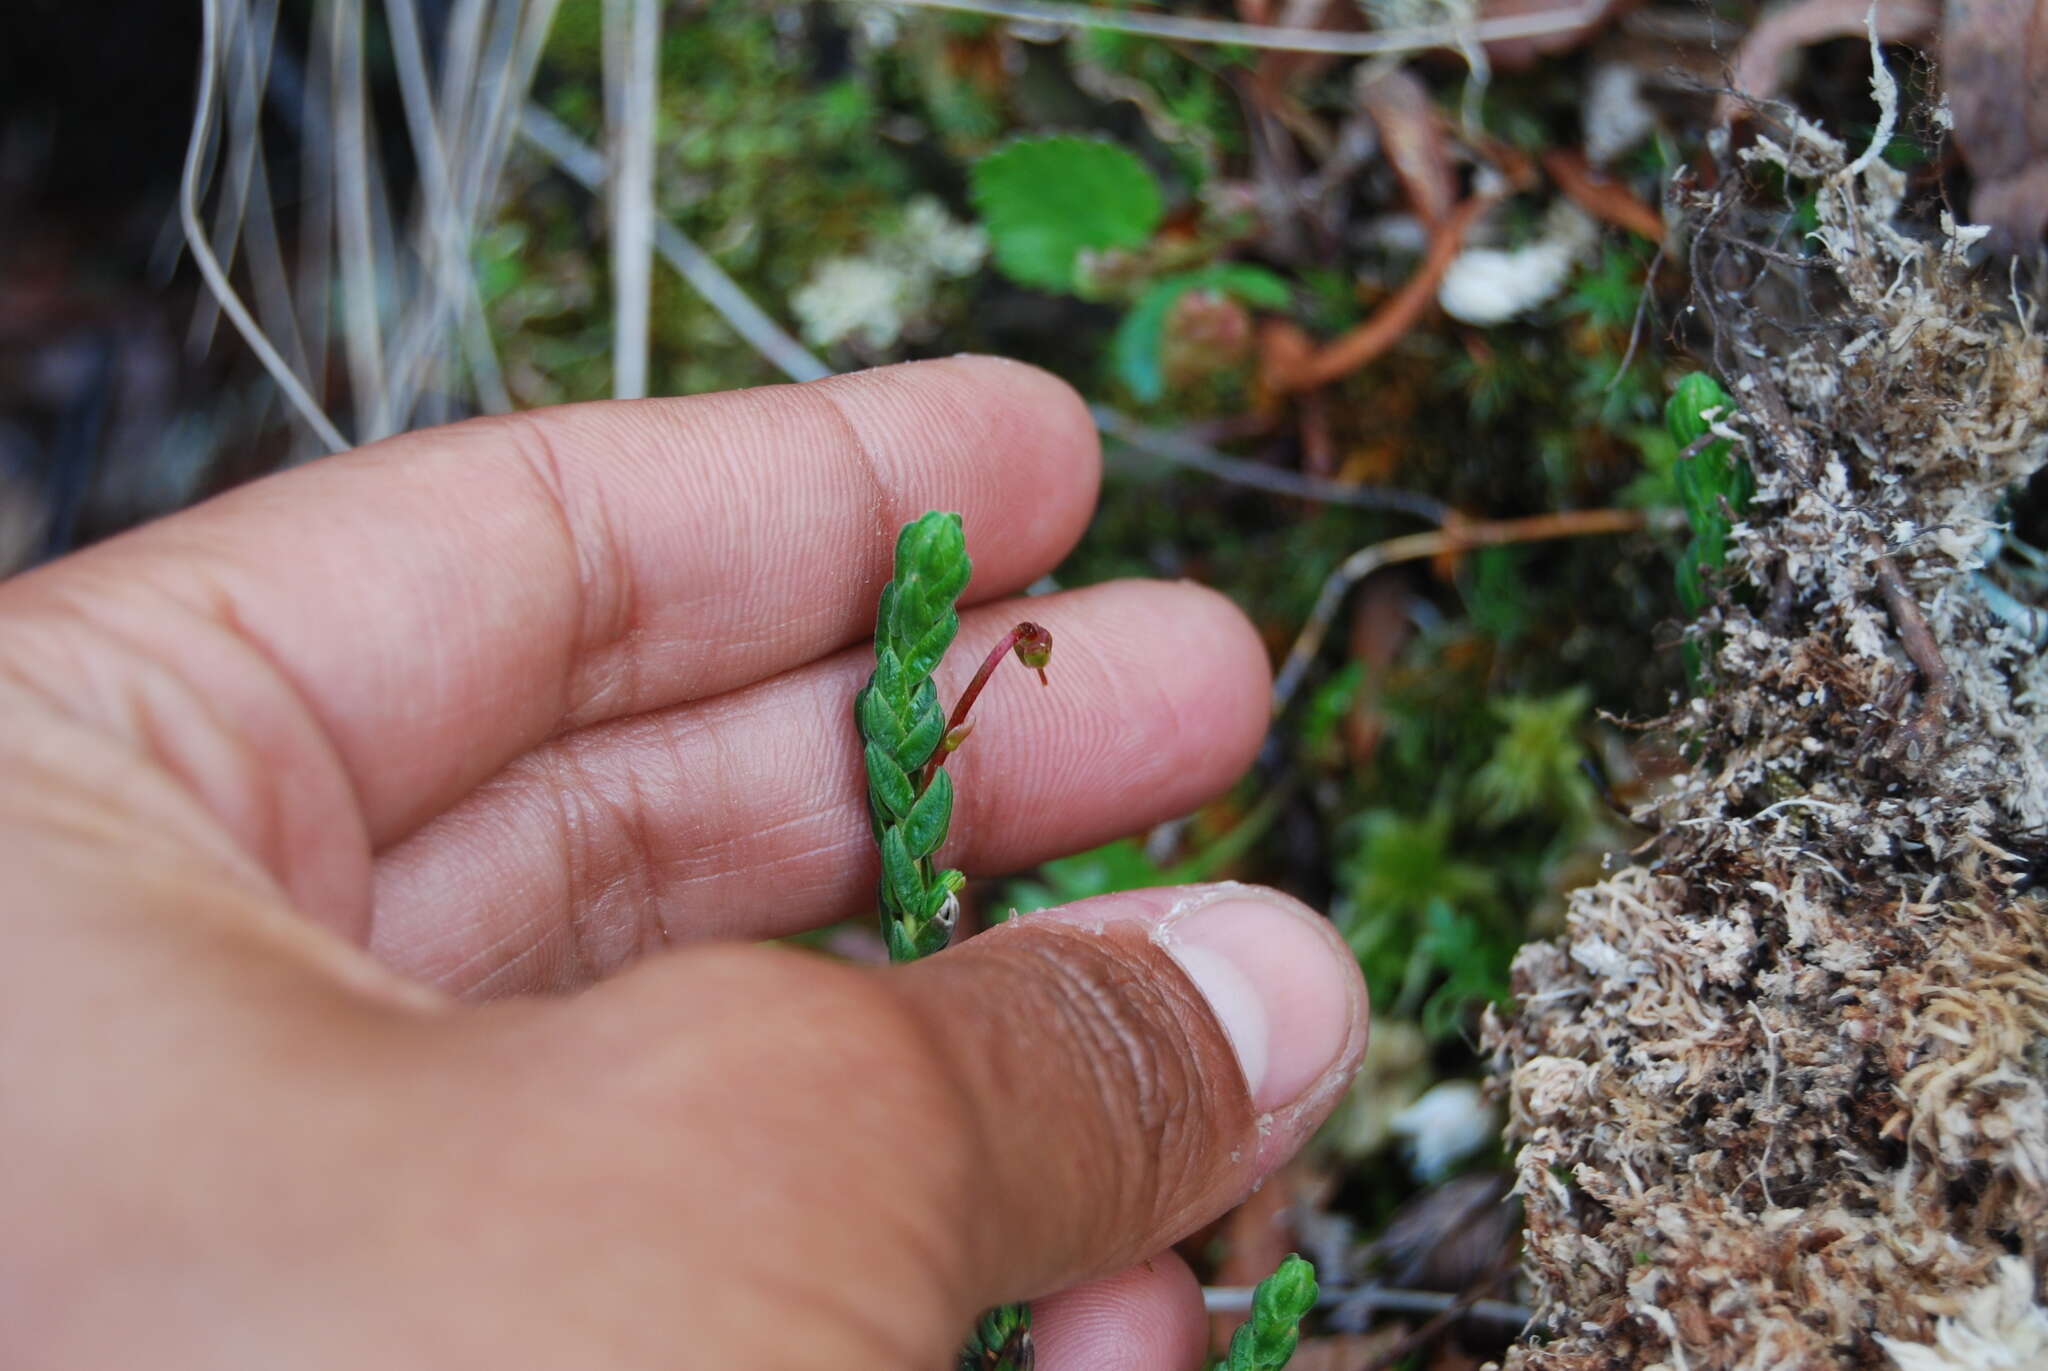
(1034, 648)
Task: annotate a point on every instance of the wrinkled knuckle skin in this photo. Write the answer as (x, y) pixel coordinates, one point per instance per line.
(1108, 1055)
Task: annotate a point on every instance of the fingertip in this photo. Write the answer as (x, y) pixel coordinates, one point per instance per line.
(1026, 432)
(1191, 673)
(1278, 979)
(1186, 1042)
(1148, 1317)
(1044, 420)
(1237, 675)
(1047, 400)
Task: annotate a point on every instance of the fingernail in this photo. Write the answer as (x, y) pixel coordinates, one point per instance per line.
(1284, 988)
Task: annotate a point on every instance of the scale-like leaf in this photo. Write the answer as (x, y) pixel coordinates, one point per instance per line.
(925, 826)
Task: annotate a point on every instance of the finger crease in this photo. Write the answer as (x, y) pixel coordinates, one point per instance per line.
(881, 554)
(602, 610)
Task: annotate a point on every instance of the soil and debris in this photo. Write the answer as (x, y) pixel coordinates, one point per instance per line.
(1781, 1086)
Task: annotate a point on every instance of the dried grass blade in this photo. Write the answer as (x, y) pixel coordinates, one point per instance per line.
(202, 253)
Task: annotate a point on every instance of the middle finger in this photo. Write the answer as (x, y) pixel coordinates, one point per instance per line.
(745, 816)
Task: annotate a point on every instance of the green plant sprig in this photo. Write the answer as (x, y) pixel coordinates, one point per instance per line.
(1714, 485)
(1001, 1341)
(907, 738)
(906, 741)
(1266, 1340)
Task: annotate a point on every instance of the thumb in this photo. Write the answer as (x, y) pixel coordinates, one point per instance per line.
(1130, 1066)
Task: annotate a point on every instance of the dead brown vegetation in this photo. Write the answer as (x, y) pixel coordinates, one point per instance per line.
(1781, 1089)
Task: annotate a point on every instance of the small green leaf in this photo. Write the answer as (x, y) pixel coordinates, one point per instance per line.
(896, 936)
(945, 886)
(927, 542)
(1713, 483)
(1046, 200)
(890, 786)
(1696, 396)
(1253, 285)
(878, 723)
(901, 887)
(925, 826)
(1140, 340)
(1692, 592)
(1001, 1341)
(889, 681)
(925, 653)
(923, 737)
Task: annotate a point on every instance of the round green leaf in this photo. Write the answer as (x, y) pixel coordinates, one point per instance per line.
(1046, 200)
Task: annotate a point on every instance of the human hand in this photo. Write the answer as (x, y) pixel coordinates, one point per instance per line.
(308, 796)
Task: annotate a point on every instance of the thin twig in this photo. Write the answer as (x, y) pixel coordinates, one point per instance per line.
(202, 254)
(247, 36)
(462, 41)
(1601, 197)
(1423, 1335)
(1184, 451)
(362, 335)
(1419, 39)
(586, 168)
(270, 280)
(492, 118)
(1457, 536)
(1346, 354)
(631, 39)
(1917, 638)
(498, 124)
(1237, 1299)
(1635, 328)
(311, 287)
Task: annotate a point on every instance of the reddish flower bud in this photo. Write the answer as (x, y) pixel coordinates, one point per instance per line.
(1033, 646)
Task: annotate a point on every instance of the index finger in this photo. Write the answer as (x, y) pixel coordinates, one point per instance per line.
(398, 623)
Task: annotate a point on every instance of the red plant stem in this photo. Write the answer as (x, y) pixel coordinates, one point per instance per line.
(1025, 637)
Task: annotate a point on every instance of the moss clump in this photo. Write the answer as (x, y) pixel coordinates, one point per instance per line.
(1794, 1062)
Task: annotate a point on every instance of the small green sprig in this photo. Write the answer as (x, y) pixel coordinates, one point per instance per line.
(906, 740)
(1001, 1341)
(1266, 1340)
(903, 728)
(1714, 485)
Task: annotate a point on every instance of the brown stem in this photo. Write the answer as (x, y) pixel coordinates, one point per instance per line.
(1938, 683)
(1299, 365)
(1033, 646)
(1456, 536)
